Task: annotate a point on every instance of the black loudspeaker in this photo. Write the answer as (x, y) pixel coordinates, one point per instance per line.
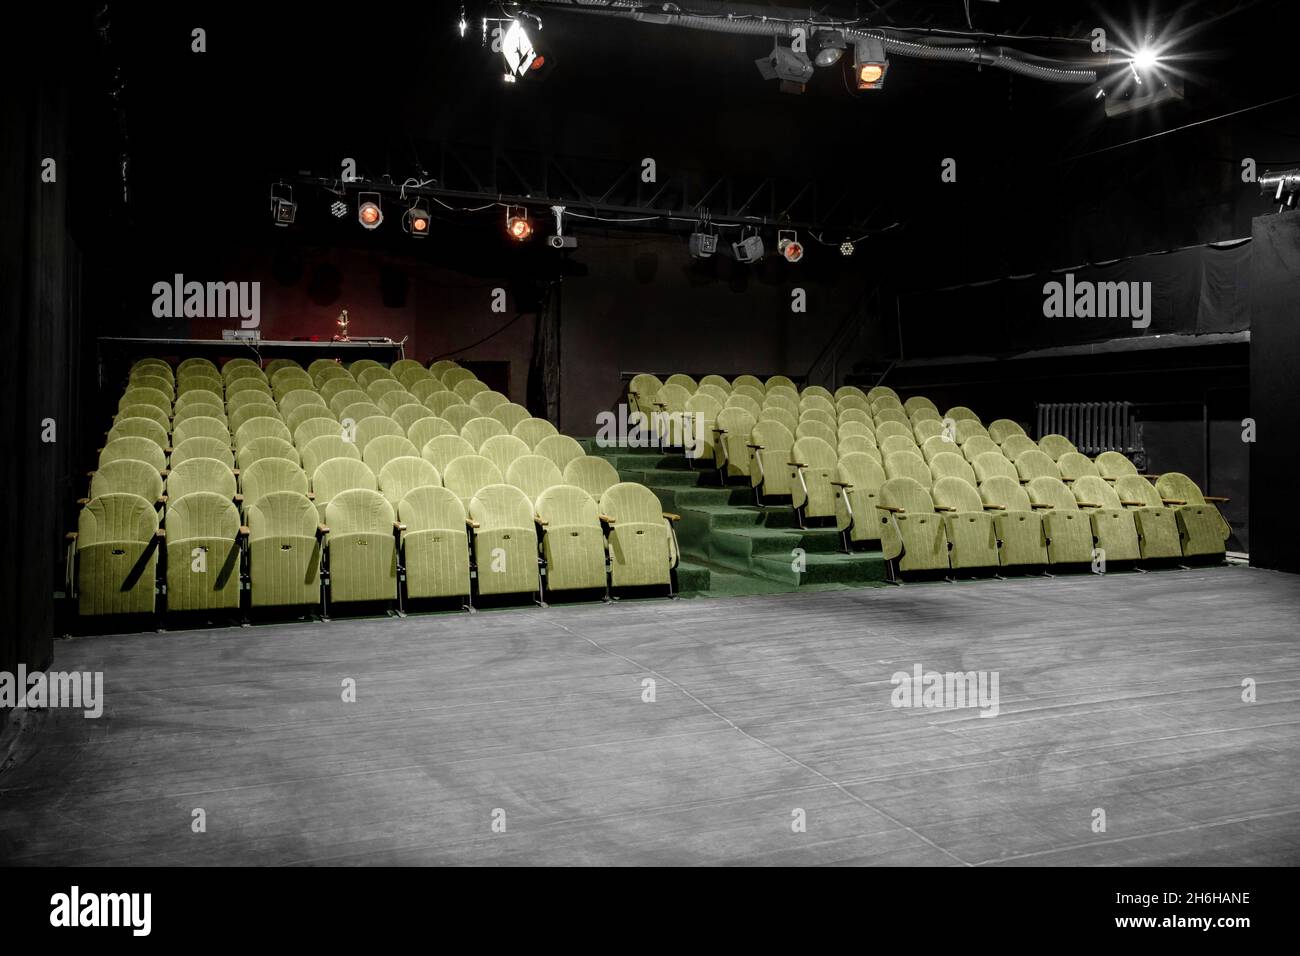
(1274, 391)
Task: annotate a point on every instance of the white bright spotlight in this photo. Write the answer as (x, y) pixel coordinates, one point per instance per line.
(517, 50)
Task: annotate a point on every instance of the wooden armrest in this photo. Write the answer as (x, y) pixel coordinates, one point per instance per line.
(322, 529)
(70, 536)
(890, 508)
(90, 474)
(311, 496)
(1216, 498)
(755, 447)
(944, 508)
(607, 519)
(166, 472)
(235, 472)
(239, 499)
(540, 521)
(796, 464)
(1173, 501)
(672, 517)
(470, 522)
(1150, 477)
(244, 530)
(398, 526)
(1039, 504)
(1132, 504)
(995, 507)
(841, 484)
(160, 533)
(719, 431)
(1087, 504)
(168, 450)
(83, 501)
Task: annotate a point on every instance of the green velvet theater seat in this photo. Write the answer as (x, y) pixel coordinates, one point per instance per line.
(1203, 530)
(114, 563)
(573, 543)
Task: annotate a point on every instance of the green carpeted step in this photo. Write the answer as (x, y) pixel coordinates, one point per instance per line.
(865, 568)
(693, 577)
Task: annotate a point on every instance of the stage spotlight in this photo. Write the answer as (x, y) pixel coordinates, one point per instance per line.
(832, 48)
(846, 248)
(702, 245)
(749, 249)
(792, 69)
(1284, 187)
(517, 224)
(416, 221)
(1144, 61)
(869, 64)
(283, 208)
(788, 244)
(461, 25)
(517, 50)
(368, 212)
(339, 208)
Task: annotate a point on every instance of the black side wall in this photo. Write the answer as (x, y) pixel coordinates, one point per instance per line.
(1274, 393)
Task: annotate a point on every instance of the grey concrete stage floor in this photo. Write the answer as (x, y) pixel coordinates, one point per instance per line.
(1122, 693)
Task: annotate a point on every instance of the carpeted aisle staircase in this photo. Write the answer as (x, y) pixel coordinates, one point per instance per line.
(731, 546)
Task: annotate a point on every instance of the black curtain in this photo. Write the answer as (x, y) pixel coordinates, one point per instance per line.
(40, 365)
(544, 370)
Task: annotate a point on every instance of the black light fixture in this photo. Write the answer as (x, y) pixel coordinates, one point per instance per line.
(749, 248)
(869, 64)
(415, 221)
(832, 44)
(788, 244)
(369, 213)
(784, 64)
(283, 208)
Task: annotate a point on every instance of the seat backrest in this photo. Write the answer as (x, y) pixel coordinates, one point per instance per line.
(770, 413)
(151, 412)
(140, 428)
(816, 403)
(468, 473)
(1095, 490)
(773, 436)
(1056, 445)
(892, 414)
(1005, 491)
(850, 391)
(896, 443)
(431, 508)
(643, 388)
(533, 430)
(348, 396)
(497, 505)
(1015, 445)
(1051, 491)
(1176, 486)
(116, 517)
(717, 381)
(203, 448)
(1073, 465)
(311, 428)
(341, 474)
(925, 429)
(815, 452)
(282, 513)
(907, 494)
(994, 463)
(1112, 464)
(503, 449)
(440, 402)
(978, 445)
(441, 450)
(561, 449)
(133, 446)
(202, 514)
(751, 405)
(949, 464)
(142, 395)
(887, 429)
(845, 414)
(937, 445)
(861, 471)
(462, 415)
(486, 401)
(201, 426)
(592, 474)
(533, 474)
(408, 413)
(1003, 428)
(965, 429)
(383, 449)
(468, 388)
(1036, 464)
(630, 503)
(424, 429)
(370, 427)
(266, 448)
(956, 494)
(749, 381)
(718, 393)
(427, 387)
(961, 413)
(399, 476)
(906, 464)
(268, 475)
(852, 427)
(509, 414)
(567, 506)
(851, 444)
(200, 474)
(809, 428)
(299, 397)
(1136, 490)
(881, 390)
(127, 476)
(324, 448)
(359, 510)
(919, 401)
(262, 426)
(671, 398)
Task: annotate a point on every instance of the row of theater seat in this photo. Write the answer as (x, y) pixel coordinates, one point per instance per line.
(937, 491)
(332, 484)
